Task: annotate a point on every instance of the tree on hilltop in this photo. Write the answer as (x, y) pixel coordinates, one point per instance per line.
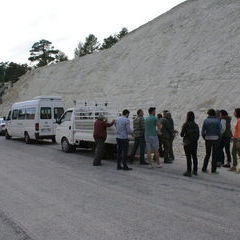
(43, 53)
(91, 45)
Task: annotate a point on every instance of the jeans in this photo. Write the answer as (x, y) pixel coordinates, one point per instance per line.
(139, 142)
(235, 153)
(99, 150)
(191, 155)
(224, 143)
(211, 147)
(122, 152)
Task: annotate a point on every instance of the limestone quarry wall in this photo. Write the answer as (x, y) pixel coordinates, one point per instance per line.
(186, 59)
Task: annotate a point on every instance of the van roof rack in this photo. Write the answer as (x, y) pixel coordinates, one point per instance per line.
(48, 97)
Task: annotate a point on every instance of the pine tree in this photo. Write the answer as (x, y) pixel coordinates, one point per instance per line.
(109, 42)
(123, 33)
(43, 53)
(91, 45)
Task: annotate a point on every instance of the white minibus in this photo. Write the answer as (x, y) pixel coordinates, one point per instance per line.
(34, 119)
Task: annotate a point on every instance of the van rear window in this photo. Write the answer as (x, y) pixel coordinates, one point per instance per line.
(58, 112)
(45, 113)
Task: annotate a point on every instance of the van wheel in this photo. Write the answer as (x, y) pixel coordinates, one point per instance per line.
(7, 136)
(27, 138)
(66, 147)
(54, 140)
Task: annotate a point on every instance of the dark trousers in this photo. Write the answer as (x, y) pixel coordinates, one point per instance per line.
(224, 144)
(99, 150)
(166, 148)
(171, 154)
(211, 147)
(122, 152)
(139, 142)
(235, 153)
(191, 155)
(161, 154)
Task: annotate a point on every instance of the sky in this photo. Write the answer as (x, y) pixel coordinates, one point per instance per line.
(66, 23)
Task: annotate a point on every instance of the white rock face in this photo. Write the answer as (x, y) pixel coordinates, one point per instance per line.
(186, 59)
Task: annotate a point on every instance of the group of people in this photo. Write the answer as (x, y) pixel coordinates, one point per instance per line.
(155, 135)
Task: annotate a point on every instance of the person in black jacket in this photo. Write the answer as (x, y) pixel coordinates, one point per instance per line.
(190, 134)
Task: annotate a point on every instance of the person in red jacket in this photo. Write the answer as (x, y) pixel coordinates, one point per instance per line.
(100, 136)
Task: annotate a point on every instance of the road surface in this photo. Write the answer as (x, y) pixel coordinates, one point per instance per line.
(46, 194)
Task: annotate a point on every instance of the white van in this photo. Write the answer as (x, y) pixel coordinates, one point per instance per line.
(34, 119)
(75, 128)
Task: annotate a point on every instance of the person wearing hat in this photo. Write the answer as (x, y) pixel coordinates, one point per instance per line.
(100, 136)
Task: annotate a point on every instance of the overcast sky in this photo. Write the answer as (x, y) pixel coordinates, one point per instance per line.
(66, 22)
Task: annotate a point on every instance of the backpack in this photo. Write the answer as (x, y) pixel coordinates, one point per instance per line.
(192, 132)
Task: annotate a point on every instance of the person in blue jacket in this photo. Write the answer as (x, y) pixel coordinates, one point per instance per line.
(211, 132)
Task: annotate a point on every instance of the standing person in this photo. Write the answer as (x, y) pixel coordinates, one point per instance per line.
(152, 144)
(225, 139)
(139, 139)
(236, 143)
(190, 134)
(165, 137)
(172, 135)
(211, 132)
(100, 136)
(161, 153)
(123, 130)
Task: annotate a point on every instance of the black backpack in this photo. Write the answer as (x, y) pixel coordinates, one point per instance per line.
(192, 132)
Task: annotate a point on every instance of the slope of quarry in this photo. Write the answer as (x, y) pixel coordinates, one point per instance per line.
(186, 59)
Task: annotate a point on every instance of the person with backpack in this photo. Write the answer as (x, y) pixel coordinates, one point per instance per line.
(211, 133)
(225, 139)
(190, 135)
(165, 134)
(139, 139)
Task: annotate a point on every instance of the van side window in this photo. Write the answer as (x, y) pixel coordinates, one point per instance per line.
(46, 113)
(58, 112)
(30, 113)
(9, 115)
(21, 114)
(67, 116)
(15, 114)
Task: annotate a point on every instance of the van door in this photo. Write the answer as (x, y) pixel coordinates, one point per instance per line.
(12, 125)
(45, 122)
(65, 127)
(21, 122)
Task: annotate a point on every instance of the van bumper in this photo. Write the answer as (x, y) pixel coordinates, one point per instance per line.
(37, 136)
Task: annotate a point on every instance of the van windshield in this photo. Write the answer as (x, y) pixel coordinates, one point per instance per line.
(45, 113)
(58, 112)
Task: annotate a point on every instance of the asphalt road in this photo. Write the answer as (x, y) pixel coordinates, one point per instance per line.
(46, 194)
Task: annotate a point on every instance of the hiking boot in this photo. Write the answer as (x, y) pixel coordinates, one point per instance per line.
(187, 174)
(127, 169)
(195, 173)
(144, 163)
(227, 165)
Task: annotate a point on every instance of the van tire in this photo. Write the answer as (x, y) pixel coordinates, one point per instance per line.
(27, 138)
(54, 140)
(66, 147)
(7, 136)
